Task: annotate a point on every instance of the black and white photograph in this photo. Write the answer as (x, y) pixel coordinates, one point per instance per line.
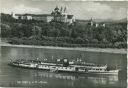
(63, 44)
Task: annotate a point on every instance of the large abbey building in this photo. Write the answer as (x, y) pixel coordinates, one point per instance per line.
(58, 14)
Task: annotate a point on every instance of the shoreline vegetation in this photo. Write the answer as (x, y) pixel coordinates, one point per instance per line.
(89, 49)
(80, 35)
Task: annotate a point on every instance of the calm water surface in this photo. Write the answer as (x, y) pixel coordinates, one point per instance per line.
(18, 77)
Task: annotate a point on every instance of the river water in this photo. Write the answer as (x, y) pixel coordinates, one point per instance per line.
(19, 77)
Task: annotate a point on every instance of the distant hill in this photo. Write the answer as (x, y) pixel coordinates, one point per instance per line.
(104, 20)
(123, 20)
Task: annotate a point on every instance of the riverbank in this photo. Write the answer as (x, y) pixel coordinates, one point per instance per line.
(106, 50)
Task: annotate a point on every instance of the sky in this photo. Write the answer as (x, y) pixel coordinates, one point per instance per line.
(80, 9)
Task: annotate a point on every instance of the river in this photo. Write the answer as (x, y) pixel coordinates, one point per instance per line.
(19, 77)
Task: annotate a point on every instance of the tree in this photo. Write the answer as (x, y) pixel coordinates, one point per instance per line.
(5, 30)
(36, 30)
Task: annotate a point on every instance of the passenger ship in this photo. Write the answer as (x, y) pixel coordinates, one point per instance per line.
(65, 66)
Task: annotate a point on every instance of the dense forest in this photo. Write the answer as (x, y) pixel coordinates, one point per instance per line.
(32, 32)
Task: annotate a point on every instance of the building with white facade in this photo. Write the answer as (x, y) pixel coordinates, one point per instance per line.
(59, 15)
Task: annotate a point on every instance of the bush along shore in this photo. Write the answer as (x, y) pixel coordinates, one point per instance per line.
(55, 42)
(32, 32)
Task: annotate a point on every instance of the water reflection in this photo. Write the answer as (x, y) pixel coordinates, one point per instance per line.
(54, 75)
(101, 80)
(95, 79)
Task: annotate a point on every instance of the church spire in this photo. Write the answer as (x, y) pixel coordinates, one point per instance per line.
(91, 19)
(61, 8)
(56, 9)
(65, 9)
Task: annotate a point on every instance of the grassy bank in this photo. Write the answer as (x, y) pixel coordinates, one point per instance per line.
(105, 50)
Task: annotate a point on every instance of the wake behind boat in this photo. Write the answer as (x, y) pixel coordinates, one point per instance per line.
(65, 65)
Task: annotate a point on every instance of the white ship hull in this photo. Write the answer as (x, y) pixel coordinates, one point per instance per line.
(69, 69)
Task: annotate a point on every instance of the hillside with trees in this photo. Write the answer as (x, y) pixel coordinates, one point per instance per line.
(32, 32)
